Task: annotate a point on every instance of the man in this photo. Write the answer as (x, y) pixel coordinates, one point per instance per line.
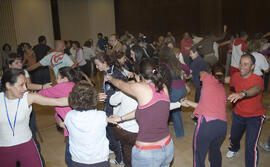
(55, 59)
(115, 45)
(248, 111)
(41, 75)
(238, 49)
(101, 42)
(186, 44)
(197, 65)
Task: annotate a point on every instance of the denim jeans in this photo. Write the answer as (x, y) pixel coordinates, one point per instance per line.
(153, 158)
(177, 95)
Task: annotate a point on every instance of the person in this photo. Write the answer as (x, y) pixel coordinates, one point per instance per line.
(101, 42)
(66, 79)
(248, 112)
(238, 49)
(41, 50)
(115, 45)
(177, 88)
(186, 44)
(80, 58)
(55, 59)
(14, 61)
(104, 63)
(196, 67)
(154, 146)
(126, 132)
(211, 128)
(16, 143)
(261, 64)
(6, 50)
(207, 48)
(89, 54)
(87, 128)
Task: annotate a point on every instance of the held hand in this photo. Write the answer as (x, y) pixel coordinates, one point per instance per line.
(130, 75)
(47, 85)
(61, 124)
(235, 97)
(184, 102)
(102, 96)
(113, 119)
(107, 77)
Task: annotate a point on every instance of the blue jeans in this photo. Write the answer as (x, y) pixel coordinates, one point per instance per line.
(153, 158)
(177, 95)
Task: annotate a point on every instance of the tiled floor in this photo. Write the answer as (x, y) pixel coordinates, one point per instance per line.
(53, 146)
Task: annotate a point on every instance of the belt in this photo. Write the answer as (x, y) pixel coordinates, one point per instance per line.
(153, 147)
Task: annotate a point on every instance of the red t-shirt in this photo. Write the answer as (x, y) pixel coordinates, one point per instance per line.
(250, 106)
(213, 98)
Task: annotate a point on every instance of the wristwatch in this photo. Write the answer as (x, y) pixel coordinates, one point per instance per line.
(245, 93)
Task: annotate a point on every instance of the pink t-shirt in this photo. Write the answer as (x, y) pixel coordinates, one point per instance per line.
(213, 99)
(60, 90)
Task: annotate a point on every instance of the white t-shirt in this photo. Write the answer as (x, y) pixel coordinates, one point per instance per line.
(56, 60)
(261, 63)
(88, 143)
(88, 53)
(22, 132)
(126, 105)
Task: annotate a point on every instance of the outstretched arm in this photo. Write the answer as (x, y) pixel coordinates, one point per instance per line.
(34, 66)
(41, 100)
(253, 91)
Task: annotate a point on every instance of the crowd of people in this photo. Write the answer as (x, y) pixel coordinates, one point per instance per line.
(143, 88)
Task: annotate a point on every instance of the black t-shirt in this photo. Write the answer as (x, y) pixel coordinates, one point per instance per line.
(41, 50)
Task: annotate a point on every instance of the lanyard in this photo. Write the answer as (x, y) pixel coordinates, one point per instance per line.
(12, 128)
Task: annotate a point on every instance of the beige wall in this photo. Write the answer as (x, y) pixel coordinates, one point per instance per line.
(83, 19)
(32, 18)
(7, 27)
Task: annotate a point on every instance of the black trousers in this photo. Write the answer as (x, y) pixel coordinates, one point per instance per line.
(114, 144)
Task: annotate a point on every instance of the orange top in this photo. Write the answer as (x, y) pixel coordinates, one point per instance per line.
(29, 59)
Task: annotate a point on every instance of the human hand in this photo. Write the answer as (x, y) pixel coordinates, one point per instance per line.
(130, 75)
(108, 77)
(235, 97)
(184, 102)
(102, 96)
(225, 28)
(61, 124)
(47, 85)
(113, 119)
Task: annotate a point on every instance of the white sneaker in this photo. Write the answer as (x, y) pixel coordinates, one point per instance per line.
(230, 154)
(113, 161)
(111, 152)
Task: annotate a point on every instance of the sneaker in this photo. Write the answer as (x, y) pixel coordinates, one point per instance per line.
(113, 161)
(111, 152)
(264, 146)
(230, 154)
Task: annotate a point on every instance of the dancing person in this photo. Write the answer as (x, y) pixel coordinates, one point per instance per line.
(211, 127)
(16, 143)
(248, 112)
(154, 146)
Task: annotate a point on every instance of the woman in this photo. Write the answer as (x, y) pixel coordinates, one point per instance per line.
(104, 64)
(66, 79)
(154, 146)
(6, 50)
(177, 87)
(211, 127)
(16, 143)
(87, 128)
(80, 58)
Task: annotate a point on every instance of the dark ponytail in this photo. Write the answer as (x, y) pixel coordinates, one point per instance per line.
(149, 69)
